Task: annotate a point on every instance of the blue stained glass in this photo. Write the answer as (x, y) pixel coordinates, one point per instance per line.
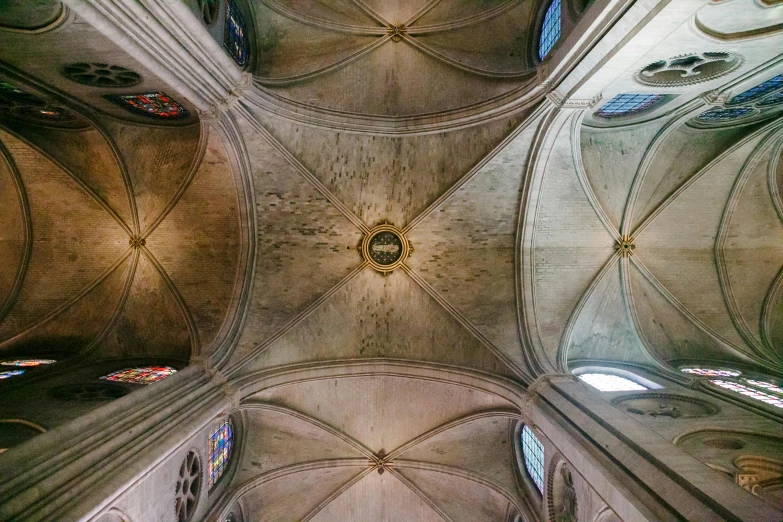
(533, 451)
(624, 104)
(220, 443)
(760, 90)
(724, 114)
(235, 37)
(550, 29)
(772, 99)
(10, 373)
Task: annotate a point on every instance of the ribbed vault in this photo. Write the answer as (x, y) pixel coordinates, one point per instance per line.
(701, 209)
(113, 233)
(308, 52)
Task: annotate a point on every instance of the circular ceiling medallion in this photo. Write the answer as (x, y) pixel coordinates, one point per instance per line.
(385, 248)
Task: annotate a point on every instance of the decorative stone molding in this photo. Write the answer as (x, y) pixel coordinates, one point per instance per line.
(545, 381)
(665, 405)
(560, 492)
(687, 69)
(385, 248)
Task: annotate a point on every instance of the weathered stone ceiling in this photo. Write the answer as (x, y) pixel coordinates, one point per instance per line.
(75, 278)
(309, 446)
(703, 209)
(315, 304)
(343, 57)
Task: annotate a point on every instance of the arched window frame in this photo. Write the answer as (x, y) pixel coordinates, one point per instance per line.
(551, 24)
(754, 390)
(222, 442)
(634, 104)
(522, 464)
(618, 372)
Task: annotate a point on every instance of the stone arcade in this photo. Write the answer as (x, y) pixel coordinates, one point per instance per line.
(391, 260)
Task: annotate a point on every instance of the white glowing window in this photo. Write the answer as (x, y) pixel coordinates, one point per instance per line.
(533, 452)
(707, 372)
(610, 383)
(750, 392)
(766, 385)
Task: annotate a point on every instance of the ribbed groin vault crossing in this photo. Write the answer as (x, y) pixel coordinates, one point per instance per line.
(391, 260)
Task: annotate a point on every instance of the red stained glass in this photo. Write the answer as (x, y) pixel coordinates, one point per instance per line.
(142, 375)
(158, 104)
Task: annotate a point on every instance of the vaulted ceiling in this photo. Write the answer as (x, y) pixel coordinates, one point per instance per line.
(238, 239)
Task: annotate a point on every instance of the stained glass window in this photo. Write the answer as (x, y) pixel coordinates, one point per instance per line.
(143, 375)
(717, 115)
(550, 29)
(158, 104)
(11, 96)
(711, 373)
(759, 91)
(772, 99)
(533, 452)
(765, 385)
(624, 104)
(10, 373)
(27, 362)
(220, 443)
(235, 37)
(759, 395)
(609, 383)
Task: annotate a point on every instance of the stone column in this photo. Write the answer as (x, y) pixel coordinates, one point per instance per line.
(166, 37)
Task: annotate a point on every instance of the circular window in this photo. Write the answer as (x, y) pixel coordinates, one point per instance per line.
(687, 69)
(101, 74)
(88, 392)
(188, 487)
(209, 11)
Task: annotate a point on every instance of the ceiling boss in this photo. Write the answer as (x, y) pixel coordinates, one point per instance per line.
(385, 248)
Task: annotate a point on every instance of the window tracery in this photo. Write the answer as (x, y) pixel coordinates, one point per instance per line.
(533, 455)
(141, 375)
(626, 104)
(99, 74)
(156, 104)
(758, 92)
(756, 100)
(550, 29)
(721, 115)
(221, 442)
(610, 383)
(754, 388)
